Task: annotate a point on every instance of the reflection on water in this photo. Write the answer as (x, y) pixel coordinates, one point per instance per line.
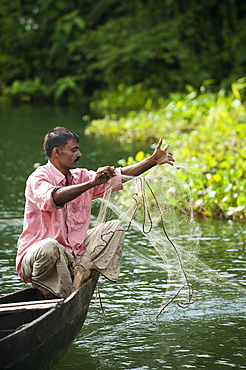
(210, 334)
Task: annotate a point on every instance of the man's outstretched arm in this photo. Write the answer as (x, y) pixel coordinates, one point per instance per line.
(160, 156)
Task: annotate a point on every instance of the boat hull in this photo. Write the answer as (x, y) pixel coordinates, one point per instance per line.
(40, 343)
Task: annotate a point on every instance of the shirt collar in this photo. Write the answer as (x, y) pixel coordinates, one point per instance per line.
(58, 175)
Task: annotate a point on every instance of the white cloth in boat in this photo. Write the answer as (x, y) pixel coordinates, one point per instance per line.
(49, 264)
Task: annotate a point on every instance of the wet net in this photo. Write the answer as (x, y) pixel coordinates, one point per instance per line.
(158, 204)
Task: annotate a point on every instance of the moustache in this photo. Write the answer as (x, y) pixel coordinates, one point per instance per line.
(77, 159)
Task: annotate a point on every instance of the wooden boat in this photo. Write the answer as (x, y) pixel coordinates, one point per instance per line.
(35, 333)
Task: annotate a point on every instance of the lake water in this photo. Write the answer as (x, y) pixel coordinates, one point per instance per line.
(210, 334)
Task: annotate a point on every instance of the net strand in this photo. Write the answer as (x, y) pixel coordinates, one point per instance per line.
(143, 182)
(171, 198)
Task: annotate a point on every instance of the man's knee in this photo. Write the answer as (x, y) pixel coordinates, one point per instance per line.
(47, 247)
(46, 251)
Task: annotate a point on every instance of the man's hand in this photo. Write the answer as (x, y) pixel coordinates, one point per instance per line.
(103, 174)
(161, 156)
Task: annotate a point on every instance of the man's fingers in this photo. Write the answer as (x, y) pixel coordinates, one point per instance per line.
(106, 172)
(111, 171)
(159, 144)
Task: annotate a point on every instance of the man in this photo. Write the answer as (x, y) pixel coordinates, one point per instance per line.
(55, 250)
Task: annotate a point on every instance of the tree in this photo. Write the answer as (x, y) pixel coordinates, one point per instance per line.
(65, 51)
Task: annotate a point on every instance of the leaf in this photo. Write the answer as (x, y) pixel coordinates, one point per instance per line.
(139, 156)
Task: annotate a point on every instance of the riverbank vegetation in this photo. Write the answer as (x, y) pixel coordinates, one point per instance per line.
(206, 132)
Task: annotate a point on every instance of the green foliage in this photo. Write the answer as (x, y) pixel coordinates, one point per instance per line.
(238, 88)
(37, 48)
(24, 90)
(206, 132)
(66, 86)
(131, 160)
(92, 47)
(168, 46)
(123, 99)
(151, 53)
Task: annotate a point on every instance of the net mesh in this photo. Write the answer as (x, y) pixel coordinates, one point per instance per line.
(158, 204)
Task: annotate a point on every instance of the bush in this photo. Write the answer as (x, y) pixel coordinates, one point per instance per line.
(206, 132)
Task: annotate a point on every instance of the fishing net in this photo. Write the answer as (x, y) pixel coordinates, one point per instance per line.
(158, 204)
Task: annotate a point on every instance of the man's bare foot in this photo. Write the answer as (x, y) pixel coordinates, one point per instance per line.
(93, 273)
(47, 294)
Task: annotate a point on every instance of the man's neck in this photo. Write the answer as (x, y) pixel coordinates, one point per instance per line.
(62, 170)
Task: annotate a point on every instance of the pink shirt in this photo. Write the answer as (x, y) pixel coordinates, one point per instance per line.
(67, 224)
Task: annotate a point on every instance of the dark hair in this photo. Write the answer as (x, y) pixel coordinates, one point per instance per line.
(58, 137)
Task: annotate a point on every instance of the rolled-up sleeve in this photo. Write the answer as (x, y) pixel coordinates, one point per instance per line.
(40, 191)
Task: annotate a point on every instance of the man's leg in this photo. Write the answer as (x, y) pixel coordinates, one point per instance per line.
(46, 265)
(104, 245)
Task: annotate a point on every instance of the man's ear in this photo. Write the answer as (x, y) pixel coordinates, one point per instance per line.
(56, 151)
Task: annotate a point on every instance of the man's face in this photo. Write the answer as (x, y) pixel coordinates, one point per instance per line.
(69, 156)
